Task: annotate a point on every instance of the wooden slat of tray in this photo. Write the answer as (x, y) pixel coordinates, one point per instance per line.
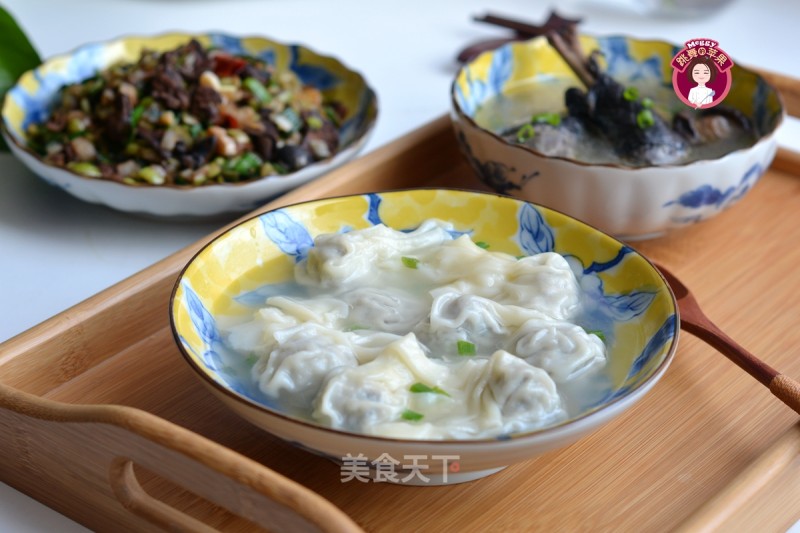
(708, 446)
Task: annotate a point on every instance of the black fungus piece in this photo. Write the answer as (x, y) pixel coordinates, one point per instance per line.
(116, 125)
(200, 153)
(260, 74)
(327, 133)
(192, 60)
(169, 88)
(264, 140)
(152, 140)
(294, 157)
(205, 104)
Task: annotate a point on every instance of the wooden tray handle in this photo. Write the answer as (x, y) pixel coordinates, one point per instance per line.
(107, 448)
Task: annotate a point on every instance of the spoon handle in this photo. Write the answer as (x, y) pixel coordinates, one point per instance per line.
(787, 390)
(782, 386)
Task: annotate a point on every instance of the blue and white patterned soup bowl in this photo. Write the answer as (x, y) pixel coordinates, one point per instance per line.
(630, 203)
(625, 297)
(29, 101)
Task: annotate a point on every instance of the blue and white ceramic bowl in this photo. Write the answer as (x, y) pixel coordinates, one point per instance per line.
(626, 298)
(630, 203)
(30, 99)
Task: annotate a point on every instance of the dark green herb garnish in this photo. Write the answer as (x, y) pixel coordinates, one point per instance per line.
(422, 388)
(412, 416)
(597, 333)
(465, 348)
(525, 133)
(410, 262)
(645, 119)
(631, 94)
(554, 119)
(481, 244)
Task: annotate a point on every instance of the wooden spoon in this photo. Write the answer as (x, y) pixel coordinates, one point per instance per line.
(697, 323)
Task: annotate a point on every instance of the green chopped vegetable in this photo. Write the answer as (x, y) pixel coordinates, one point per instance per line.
(422, 388)
(645, 118)
(136, 114)
(597, 333)
(251, 359)
(248, 164)
(465, 348)
(85, 169)
(410, 262)
(195, 130)
(257, 88)
(413, 416)
(152, 174)
(314, 123)
(482, 244)
(554, 119)
(647, 103)
(525, 133)
(356, 327)
(631, 94)
(280, 168)
(332, 115)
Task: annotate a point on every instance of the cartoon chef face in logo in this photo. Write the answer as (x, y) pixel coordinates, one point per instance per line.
(701, 72)
(701, 76)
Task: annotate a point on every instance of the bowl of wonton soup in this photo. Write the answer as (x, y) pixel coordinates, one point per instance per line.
(427, 336)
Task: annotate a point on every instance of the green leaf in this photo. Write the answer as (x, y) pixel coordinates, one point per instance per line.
(465, 348)
(422, 388)
(17, 55)
(413, 416)
(482, 244)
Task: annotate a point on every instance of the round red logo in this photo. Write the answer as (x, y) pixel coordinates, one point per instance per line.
(701, 73)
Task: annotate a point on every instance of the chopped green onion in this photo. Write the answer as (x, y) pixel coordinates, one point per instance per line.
(647, 103)
(645, 118)
(422, 388)
(554, 119)
(153, 174)
(332, 115)
(465, 348)
(410, 262)
(195, 130)
(280, 168)
(525, 133)
(482, 244)
(356, 327)
(251, 359)
(597, 333)
(248, 164)
(138, 111)
(630, 94)
(85, 169)
(314, 122)
(413, 416)
(258, 90)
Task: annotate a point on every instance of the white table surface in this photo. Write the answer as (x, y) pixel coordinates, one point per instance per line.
(406, 50)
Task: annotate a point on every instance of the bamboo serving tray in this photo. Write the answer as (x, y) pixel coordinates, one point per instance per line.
(102, 420)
